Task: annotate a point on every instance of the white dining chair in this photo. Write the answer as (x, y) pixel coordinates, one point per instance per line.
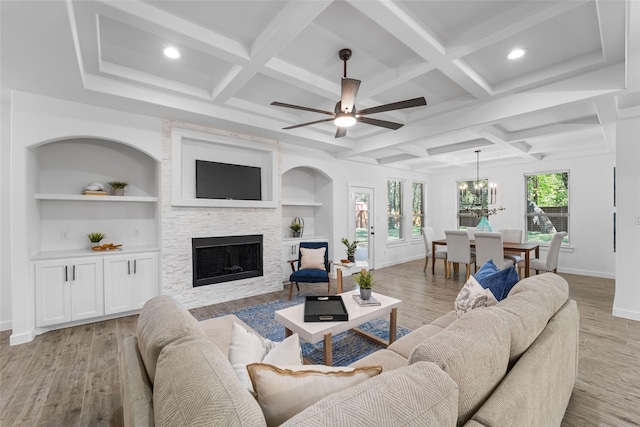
(470, 231)
(458, 251)
(441, 253)
(489, 247)
(512, 235)
(550, 262)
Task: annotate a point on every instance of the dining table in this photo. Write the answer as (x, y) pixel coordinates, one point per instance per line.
(520, 248)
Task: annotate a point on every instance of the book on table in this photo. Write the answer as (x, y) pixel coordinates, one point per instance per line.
(366, 302)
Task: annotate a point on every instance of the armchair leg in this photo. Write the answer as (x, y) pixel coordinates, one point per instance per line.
(291, 288)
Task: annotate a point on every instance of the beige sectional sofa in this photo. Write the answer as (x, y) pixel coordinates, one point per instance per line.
(514, 363)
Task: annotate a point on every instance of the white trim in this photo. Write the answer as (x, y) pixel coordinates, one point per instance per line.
(6, 325)
(627, 314)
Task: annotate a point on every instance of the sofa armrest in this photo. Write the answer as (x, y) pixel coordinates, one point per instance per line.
(135, 387)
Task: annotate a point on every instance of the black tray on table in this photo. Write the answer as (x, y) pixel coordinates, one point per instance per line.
(322, 308)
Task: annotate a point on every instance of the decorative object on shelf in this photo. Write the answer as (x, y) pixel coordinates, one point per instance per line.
(107, 247)
(351, 248)
(94, 189)
(117, 187)
(297, 226)
(364, 279)
(95, 238)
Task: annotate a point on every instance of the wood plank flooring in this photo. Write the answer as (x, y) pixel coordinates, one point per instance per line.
(70, 377)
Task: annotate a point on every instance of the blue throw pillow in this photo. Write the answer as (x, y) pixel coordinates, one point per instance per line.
(487, 269)
(500, 283)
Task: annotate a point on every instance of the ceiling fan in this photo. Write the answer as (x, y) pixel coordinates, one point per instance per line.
(345, 114)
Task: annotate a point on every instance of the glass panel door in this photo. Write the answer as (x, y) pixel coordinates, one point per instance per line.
(361, 223)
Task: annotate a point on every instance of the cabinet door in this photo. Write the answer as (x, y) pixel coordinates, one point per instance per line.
(53, 293)
(118, 280)
(145, 278)
(289, 251)
(87, 290)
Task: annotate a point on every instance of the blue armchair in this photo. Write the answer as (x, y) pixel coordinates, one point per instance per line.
(310, 275)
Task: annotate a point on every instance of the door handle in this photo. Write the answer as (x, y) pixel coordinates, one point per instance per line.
(128, 267)
(135, 266)
(66, 273)
(73, 273)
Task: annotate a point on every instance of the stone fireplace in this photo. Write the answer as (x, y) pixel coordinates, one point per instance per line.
(227, 258)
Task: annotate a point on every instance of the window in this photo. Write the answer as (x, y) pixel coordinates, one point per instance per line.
(547, 205)
(472, 201)
(418, 208)
(395, 220)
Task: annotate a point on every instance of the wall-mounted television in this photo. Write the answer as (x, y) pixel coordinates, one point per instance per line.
(227, 181)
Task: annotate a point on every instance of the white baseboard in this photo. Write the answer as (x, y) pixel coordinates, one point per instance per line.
(590, 273)
(22, 338)
(6, 325)
(398, 261)
(627, 314)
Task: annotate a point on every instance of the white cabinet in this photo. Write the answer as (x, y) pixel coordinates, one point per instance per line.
(68, 290)
(130, 281)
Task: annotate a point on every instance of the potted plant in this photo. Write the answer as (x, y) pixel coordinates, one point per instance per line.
(95, 238)
(364, 279)
(118, 187)
(351, 248)
(296, 228)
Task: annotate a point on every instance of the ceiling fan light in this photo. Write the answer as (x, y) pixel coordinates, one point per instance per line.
(344, 120)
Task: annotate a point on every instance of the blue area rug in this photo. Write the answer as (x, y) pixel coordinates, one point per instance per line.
(347, 346)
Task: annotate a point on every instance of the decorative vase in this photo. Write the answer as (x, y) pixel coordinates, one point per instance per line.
(365, 294)
(484, 225)
(295, 233)
(118, 191)
(95, 244)
(351, 258)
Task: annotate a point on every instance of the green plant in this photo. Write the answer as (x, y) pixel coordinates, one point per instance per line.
(96, 237)
(118, 184)
(351, 246)
(295, 226)
(364, 279)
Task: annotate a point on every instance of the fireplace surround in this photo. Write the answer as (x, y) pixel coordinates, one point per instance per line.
(227, 258)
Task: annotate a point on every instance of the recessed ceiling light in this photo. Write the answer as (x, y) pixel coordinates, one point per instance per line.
(171, 52)
(517, 53)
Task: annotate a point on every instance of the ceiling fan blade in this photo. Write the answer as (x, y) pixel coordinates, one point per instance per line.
(409, 103)
(348, 94)
(381, 123)
(309, 123)
(297, 107)
(341, 132)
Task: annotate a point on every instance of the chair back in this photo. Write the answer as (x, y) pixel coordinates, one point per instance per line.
(489, 246)
(511, 235)
(458, 248)
(315, 245)
(471, 231)
(554, 250)
(428, 235)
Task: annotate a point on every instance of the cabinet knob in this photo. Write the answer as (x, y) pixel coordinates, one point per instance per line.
(128, 267)
(66, 273)
(73, 273)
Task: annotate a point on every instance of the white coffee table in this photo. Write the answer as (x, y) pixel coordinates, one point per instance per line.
(292, 319)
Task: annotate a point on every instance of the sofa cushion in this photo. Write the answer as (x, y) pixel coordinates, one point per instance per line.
(389, 360)
(445, 320)
(471, 296)
(413, 396)
(405, 345)
(196, 386)
(161, 322)
(530, 305)
(284, 391)
(218, 330)
(246, 348)
(474, 351)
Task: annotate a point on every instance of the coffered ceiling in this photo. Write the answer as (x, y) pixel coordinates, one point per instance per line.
(581, 73)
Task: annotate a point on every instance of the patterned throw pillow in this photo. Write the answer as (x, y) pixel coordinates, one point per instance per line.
(312, 258)
(473, 295)
(284, 391)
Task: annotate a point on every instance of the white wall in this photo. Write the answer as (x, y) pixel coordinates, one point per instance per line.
(590, 198)
(5, 179)
(627, 296)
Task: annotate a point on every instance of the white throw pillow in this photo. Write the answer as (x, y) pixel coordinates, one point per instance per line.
(312, 258)
(246, 348)
(285, 391)
(473, 295)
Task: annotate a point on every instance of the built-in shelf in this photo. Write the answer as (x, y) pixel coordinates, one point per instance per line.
(80, 197)
(73, 253)
(291, 203)
(304, 238)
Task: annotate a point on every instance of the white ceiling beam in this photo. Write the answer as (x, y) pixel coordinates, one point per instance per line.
(632, 39)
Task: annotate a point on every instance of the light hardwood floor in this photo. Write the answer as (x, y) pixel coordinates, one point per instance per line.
(70, 377)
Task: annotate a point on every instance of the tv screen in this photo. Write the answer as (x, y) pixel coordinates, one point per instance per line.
(226, 181)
